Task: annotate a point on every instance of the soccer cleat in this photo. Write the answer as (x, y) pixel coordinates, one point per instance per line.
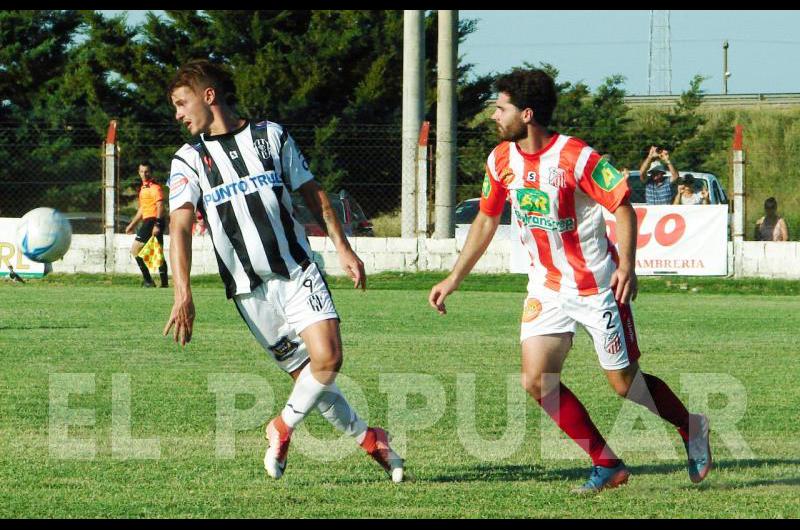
(145, 283)
(278, 436)
(603, 478)
(376, 444)
(698, 450)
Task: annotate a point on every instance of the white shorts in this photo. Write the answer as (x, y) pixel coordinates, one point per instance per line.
(609, 324)
(278, 310)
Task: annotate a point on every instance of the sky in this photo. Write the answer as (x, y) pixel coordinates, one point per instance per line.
(589, 46)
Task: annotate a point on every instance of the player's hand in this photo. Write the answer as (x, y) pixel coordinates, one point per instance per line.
(439, 292)
(664, 155)
(653, 152)
(625, 285)
(129, 229)
(182, 317)
(156, 230)
(354, 267)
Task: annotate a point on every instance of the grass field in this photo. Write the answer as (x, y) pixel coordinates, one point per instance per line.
(107, 326)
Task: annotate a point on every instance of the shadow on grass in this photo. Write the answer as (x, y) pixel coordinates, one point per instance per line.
(43, 327)
(513, 473)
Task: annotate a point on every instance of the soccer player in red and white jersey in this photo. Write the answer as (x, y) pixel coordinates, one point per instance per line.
(557, 186)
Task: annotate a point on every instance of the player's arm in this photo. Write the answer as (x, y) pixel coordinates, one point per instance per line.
(317, 201)
(783, 230)
(624, 282)
(480, 235)
(180, 259)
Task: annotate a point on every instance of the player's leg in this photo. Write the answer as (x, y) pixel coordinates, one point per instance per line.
(142, 236)
(546, 339)
(311, 312)
(162, 270)
(613, 331)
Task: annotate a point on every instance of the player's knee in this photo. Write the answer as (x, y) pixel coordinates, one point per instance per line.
(620, 386)
(532, 383)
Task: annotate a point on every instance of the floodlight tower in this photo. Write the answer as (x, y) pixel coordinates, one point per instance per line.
(659, 71)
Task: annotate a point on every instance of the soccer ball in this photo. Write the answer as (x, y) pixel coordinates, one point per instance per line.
(44, 235)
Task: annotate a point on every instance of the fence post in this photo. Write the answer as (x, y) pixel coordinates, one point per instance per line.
(422, 180)
(110, 172)
(738, 202)
(413, 112)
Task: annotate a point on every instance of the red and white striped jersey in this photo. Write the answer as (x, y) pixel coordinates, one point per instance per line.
(556, 196)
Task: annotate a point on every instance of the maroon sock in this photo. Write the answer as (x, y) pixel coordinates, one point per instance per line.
(571, 416)
(663, 402)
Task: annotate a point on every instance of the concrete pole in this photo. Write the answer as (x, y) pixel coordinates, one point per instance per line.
(738, 202)
(413, 112)
(725, 73)
(446, 120)
(110, 171)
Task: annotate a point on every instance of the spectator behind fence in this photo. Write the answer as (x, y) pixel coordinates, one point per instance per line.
(687, 192)
(653, 171)
(771, 227)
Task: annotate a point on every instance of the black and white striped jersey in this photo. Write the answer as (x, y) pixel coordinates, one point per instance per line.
(240, 181)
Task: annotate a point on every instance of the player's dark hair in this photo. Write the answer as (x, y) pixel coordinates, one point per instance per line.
(146, 163)
(199, 74)
(770, 204)
(530, 88)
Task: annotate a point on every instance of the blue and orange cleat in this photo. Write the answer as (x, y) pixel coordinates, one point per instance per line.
(604, 478)
(698, 450)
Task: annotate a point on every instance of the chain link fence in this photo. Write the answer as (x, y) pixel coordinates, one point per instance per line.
(61, 167)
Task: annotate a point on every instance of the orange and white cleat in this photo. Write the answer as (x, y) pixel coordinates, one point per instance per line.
(278, 435)
(376, 444)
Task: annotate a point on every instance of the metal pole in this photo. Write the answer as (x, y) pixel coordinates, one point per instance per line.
(413, 112)
(446, 120)
(738, 201)
(725, 73)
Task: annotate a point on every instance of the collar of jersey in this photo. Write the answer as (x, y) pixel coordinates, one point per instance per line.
(540, 152)
(229, 133)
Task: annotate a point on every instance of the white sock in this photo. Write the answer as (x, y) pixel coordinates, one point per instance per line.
(335, 408)
(304, 396)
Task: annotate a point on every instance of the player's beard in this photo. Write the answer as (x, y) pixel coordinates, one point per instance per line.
(513, 133)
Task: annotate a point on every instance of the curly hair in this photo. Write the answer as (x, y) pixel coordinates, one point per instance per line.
(530, 88)
(200, 74)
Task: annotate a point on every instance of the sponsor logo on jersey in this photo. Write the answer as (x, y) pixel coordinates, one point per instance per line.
(557, 177)
(262, 146)
(606, 176)
(545, 223)
(533, 308)
(245, 186)
(531, 176)
(533, 201)
(507, 176)
(487, 186)
(284, 348)
(315, 302)
(613, 344)
(233, 154)
(176, 184)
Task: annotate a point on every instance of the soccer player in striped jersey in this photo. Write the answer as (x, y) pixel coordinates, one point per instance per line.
(557, 186)
(238, 173)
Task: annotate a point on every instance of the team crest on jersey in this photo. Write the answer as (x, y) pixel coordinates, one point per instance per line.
(487, 186)
(533, 308)
(606, 176)
(613, 344)
(262, 146)
(533, 201)
(530, 176)
(507, 176)
(557, 177)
